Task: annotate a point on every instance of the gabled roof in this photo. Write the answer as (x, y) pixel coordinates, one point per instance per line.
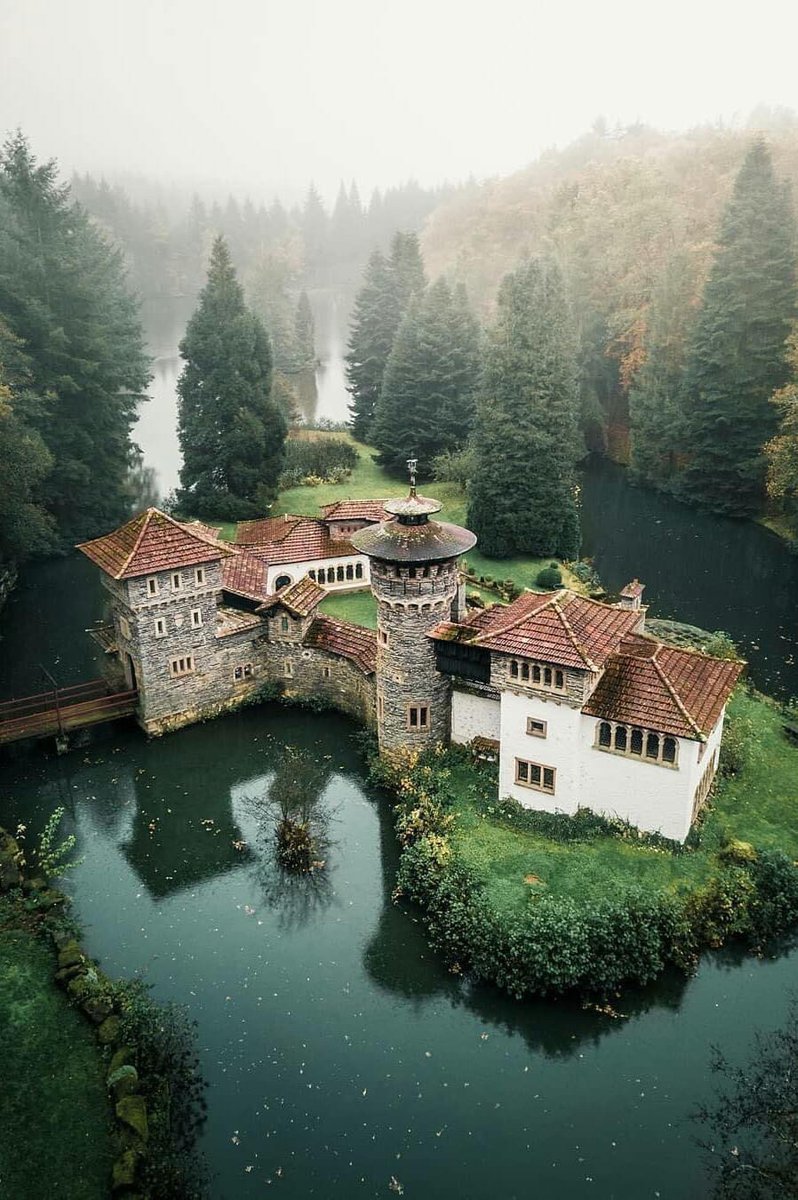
(675, 691)
(355, 510)
(265, 529)
(299, 598)
(153, 542)
(555, 627)
(245, 575)
(298, 540)
(354, 642)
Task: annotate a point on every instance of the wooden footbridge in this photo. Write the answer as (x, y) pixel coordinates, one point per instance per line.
(63, 710)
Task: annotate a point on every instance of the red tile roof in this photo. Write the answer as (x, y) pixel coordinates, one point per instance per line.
(212, 531)
(633, 589)
(301, 539)
(349, 641)
(675, 691)
(355, 510)
(560, 627)
(299, 598)
(153, 542)
(245, 575)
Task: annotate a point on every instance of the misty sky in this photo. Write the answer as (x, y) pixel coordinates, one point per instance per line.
(262, 96)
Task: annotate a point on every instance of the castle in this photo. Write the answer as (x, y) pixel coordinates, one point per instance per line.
(579, 705)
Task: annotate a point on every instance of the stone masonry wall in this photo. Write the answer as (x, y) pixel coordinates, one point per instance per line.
(578, 684)
(411, 601)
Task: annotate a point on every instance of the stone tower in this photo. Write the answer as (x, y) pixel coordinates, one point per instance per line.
(416, 581)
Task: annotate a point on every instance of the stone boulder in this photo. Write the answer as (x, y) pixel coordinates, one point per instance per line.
(10, 862)
(132, 1111)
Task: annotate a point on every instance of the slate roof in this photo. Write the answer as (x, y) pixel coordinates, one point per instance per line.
(355, 510)
(562, 628)
(245, 575)
(349, 641)
(665, 688)
(152, 542)
(299, 598)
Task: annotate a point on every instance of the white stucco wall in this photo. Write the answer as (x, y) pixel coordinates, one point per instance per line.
(558, 749)
(297, 570)
(474, 716)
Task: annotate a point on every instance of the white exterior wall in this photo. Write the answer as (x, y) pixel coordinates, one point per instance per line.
(654, 797)
(558, 749)
(474, 716)
(298, 570)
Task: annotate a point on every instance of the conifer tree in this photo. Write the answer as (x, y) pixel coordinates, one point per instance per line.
(738, 353)
(426, 404)
(522, 497)
(407, 267)
(26, 528)
(304, 332)
(63, 293)
(232, 433)
(656, 401)
(375, 320)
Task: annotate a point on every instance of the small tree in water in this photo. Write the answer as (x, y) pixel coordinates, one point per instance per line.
(301, 825)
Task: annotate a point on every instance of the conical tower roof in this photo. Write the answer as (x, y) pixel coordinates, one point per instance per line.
(409, 536)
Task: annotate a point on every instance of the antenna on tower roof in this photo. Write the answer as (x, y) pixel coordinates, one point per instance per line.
(412, 463)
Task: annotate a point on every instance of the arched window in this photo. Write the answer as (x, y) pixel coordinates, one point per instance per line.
(636, 746)
(349, 571)
(620, 737)
(669, 750)
(281, 581)
(652, 746)
(605, 734)
(514, 668)
(358, 570)
(340, 573)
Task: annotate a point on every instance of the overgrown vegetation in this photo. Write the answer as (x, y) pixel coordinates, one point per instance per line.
(544, 904)
(313, 461)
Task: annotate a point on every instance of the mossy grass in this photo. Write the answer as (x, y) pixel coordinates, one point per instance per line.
(358, 607)
(55, 1117)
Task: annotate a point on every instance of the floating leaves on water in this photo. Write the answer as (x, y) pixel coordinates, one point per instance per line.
(395, 1186)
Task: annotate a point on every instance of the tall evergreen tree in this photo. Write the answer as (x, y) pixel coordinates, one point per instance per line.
(738, 354)
(426, 404)
(304, 332)
(63, 293)
(388, 287)
(375, 320)
(522, 498)
(26, 528)
(232, 433)
(656, 399)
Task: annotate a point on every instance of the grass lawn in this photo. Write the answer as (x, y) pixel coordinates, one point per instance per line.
(760, 805)
(358, 607)
(369, 481)
(54, 1111)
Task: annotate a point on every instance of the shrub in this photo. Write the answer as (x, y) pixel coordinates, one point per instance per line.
(735, 749)
(323, 459)
(550, 577)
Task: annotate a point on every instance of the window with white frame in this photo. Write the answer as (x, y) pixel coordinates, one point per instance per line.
(152, 585)
(382, 635)
(177, 581)
(196, 618)
(418, 716)
(535, 775)
(160, 627)
(535, 727)
(634, 742)
(242, 672)
(181, 666)
(288, 668)
(199, 576)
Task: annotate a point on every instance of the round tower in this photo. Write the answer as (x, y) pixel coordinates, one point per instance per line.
(415, 579)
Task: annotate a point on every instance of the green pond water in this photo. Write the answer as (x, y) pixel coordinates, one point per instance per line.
(339, 1054)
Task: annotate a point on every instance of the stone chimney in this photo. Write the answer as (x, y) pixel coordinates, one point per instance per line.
(632, 597)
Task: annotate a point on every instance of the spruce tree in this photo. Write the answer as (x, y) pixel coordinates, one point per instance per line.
(407, 267)
(656, 400)
(522, 497)
(26, 528)
(304, 333)
(738, 353)
(63, 293)
(232, 433)
(426, 404)
(375, 320)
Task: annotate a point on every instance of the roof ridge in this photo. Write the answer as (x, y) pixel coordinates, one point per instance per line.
(676, 697)
(148, 513)
(569, 630)
(517, 620)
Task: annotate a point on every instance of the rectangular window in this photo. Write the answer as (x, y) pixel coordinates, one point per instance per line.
(152, 586)
(160, 626)
(535, 775)
(199, 576)
(196, 618)
(181, 666)
(536, 728)
(418, 716)
(284, 624)
(243, 672)
(383, 636)
(177, 581)
(124, 628)
(327, 672)
(288, 668)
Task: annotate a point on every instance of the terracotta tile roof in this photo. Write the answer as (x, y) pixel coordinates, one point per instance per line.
(302, 539)
(265, 529)
(232, 620)
(299, 598)
(633, 589)
(152, 542)
(211, 531)
(245, 575)
(355, 510)
(559, 627)
(670, 690)
(349, 641)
